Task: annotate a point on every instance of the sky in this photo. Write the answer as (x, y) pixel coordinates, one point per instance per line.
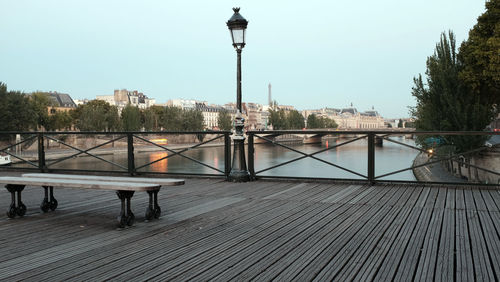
(316, 53)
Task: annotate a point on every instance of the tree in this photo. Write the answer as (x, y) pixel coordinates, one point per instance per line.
(41, 101)
(275, 119)
(16, 112)
(329, 123)
(192, 120)
(131, 118)
(446, 103)
(113, 122)
(171, 119)
(312, 122)
(295, 120)
(96, 115)
(149, 119)
(60, 120)
(480, 56)
(400, 123)
(224, 120)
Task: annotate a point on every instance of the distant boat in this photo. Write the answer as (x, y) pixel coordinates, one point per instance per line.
(5, 159)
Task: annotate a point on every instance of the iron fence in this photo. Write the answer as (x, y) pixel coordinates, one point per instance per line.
(439, 161)
(437, 158)
(36, 151)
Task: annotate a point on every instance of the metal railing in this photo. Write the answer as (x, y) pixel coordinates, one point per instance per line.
(430, 153)
(21, 149)
(35, 151)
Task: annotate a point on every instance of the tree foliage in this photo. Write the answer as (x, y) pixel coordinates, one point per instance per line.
(480, 55)
(314, 122)
(60, 120)
(131, 118)
(16, 112)
(400, 123)
(284, 120)
(96, 115)
(224, 120)
(40, 102)
(446, 103)
(149, 120)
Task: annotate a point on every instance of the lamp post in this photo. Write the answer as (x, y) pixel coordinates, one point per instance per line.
(237, 26)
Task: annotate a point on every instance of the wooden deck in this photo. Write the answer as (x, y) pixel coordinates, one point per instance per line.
(215, 230)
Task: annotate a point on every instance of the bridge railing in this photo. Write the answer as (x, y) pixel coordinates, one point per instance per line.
(367, 156)
(379, 156)
(118, 152)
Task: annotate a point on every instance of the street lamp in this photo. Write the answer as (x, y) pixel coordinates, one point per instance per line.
(237, 26)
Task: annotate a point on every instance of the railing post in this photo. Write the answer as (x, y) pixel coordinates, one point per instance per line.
(41, 153)
(251, 153)
(371, 158)
(130, 154)
(227, 154)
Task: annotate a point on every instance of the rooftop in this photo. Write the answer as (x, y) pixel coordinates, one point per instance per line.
(211, 229)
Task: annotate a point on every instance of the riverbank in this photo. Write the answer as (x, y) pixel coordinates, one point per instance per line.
(433, 172)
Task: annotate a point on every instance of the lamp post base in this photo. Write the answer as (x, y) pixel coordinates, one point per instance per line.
(239, 176)
(239, 172)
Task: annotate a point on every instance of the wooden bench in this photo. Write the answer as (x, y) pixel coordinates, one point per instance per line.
(124, 186)
(153, 210)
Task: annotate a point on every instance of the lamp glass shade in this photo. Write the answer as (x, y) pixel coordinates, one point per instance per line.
(238, 36)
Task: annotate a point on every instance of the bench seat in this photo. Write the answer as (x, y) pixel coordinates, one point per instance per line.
(160, 181)
(78, 183)
(124, 188)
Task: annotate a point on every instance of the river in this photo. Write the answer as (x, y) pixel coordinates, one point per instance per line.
(388, 157)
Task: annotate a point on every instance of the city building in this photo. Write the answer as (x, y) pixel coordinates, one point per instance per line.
(185, 104)
(350, 117)
(121, 98)
(61, 101)
(211, 114)
(253, 116)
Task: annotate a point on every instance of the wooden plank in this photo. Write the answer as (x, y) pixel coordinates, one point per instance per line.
(205, 249)
(156, 180)
(489, 232)
(393, 259)
(365, 239)
(148, 245)
(411, 255)
(283, 194)
(366, 235)
(210, 206)
(367, 269)
(342, 194)
(306, 250)
(444, 270)
(264, 250)
(491, 205)
(313, 258)
(426, 267)
(273, 255)
(482, 267)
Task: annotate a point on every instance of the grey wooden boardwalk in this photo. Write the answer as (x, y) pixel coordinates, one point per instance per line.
(214, 230)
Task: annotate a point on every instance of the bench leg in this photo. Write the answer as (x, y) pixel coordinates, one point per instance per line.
(44, 206)
(48, 202)
(157, 207)
(20, 208)
(53, 201)
(126, 217)
(153, 210)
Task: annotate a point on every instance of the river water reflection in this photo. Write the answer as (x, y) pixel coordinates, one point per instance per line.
(389, 157)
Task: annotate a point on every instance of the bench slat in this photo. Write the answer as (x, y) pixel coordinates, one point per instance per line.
(75, 183)
(160, 181)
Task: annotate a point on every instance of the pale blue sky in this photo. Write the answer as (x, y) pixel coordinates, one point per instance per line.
(315, 53)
